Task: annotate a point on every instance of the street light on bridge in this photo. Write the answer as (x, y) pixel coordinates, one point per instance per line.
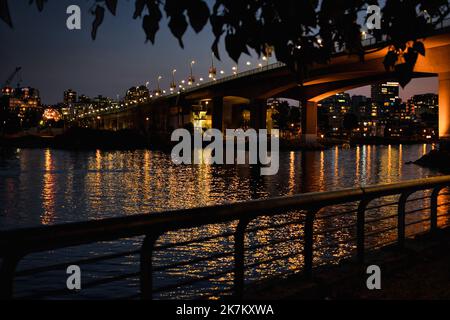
(212, 70)
(158, 91)
(173, 85)
(191, 78)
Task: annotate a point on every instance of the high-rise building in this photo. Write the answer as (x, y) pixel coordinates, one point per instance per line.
(25, 97)
(362, 107)
(424, 103)
(136, 95)
(331, 112)
(70, 97)
(385, 93)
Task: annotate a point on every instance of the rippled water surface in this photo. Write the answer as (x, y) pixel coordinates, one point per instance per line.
(45, 187)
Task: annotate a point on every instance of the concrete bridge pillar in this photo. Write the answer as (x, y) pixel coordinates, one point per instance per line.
(217, 113)
(444, 105)
(258, 114)
(309, 122)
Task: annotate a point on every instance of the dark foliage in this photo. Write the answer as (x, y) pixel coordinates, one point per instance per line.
(300, 32)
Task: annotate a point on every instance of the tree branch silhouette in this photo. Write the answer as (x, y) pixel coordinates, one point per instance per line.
(300, 32)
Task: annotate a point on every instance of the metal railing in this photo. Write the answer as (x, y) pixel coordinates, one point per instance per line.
(235, 222)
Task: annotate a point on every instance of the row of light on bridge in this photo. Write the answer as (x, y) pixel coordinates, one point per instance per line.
(190, 81)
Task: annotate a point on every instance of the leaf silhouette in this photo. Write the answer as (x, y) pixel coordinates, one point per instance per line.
(40, 4)
(198, 14)
(390, 59)
(112, 6)
(178, 26)
(139, 6)
(99, 16)
(419, 47)
(235, 45)
(4, 12)
(150, 24)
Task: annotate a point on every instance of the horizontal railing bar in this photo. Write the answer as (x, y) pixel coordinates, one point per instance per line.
(58, 236)
(193, 261)
(417, 210)
(382, 244)
(339, 242)
(271, 243)
(226, 235)
(418, 221)
(378, 232)
(443, 215)
(198, 240)
(283, 257)
(28, 272)
(381, 219)
(444, 204)
(346, 226)
(275, 226)
(192, 281)
(95, 283)
(389, 204)
(339, 214)
(417, 199)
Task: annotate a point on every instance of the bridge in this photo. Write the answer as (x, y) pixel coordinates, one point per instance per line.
(222, 100)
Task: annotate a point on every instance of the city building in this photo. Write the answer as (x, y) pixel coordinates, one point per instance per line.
(331, 113)
(384, 95)
(424, 103)
(136, 95)
(70, 97)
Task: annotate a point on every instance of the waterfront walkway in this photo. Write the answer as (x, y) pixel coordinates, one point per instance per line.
(419, 271)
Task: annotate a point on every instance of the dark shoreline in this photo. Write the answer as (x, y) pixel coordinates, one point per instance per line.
(89, 139)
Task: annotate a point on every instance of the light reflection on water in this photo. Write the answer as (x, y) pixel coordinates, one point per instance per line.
(42, 187)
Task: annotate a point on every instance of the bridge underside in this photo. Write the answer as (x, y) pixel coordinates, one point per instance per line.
(241, 102)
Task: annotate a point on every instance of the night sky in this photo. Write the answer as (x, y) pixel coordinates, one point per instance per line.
(54, 58)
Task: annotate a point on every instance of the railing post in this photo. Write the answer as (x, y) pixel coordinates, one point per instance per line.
(434, 208)
(308, 250)
(239, 257)
(360, 230)
(401, 219)
(146, 265)
(7, 271)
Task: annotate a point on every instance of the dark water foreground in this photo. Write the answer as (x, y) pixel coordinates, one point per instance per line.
(47, 186)
(419, 271)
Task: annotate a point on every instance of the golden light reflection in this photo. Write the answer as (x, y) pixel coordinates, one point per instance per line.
(292, 184)
(48, 189)
(336, 161)
(322, 171)
(389, 163)
(358, 161)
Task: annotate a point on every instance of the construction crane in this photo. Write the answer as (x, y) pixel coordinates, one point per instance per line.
(12, 76)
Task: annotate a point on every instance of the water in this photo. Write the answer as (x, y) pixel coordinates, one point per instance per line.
(45, 187)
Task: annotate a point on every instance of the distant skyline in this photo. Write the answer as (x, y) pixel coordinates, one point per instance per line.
(55, 59)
